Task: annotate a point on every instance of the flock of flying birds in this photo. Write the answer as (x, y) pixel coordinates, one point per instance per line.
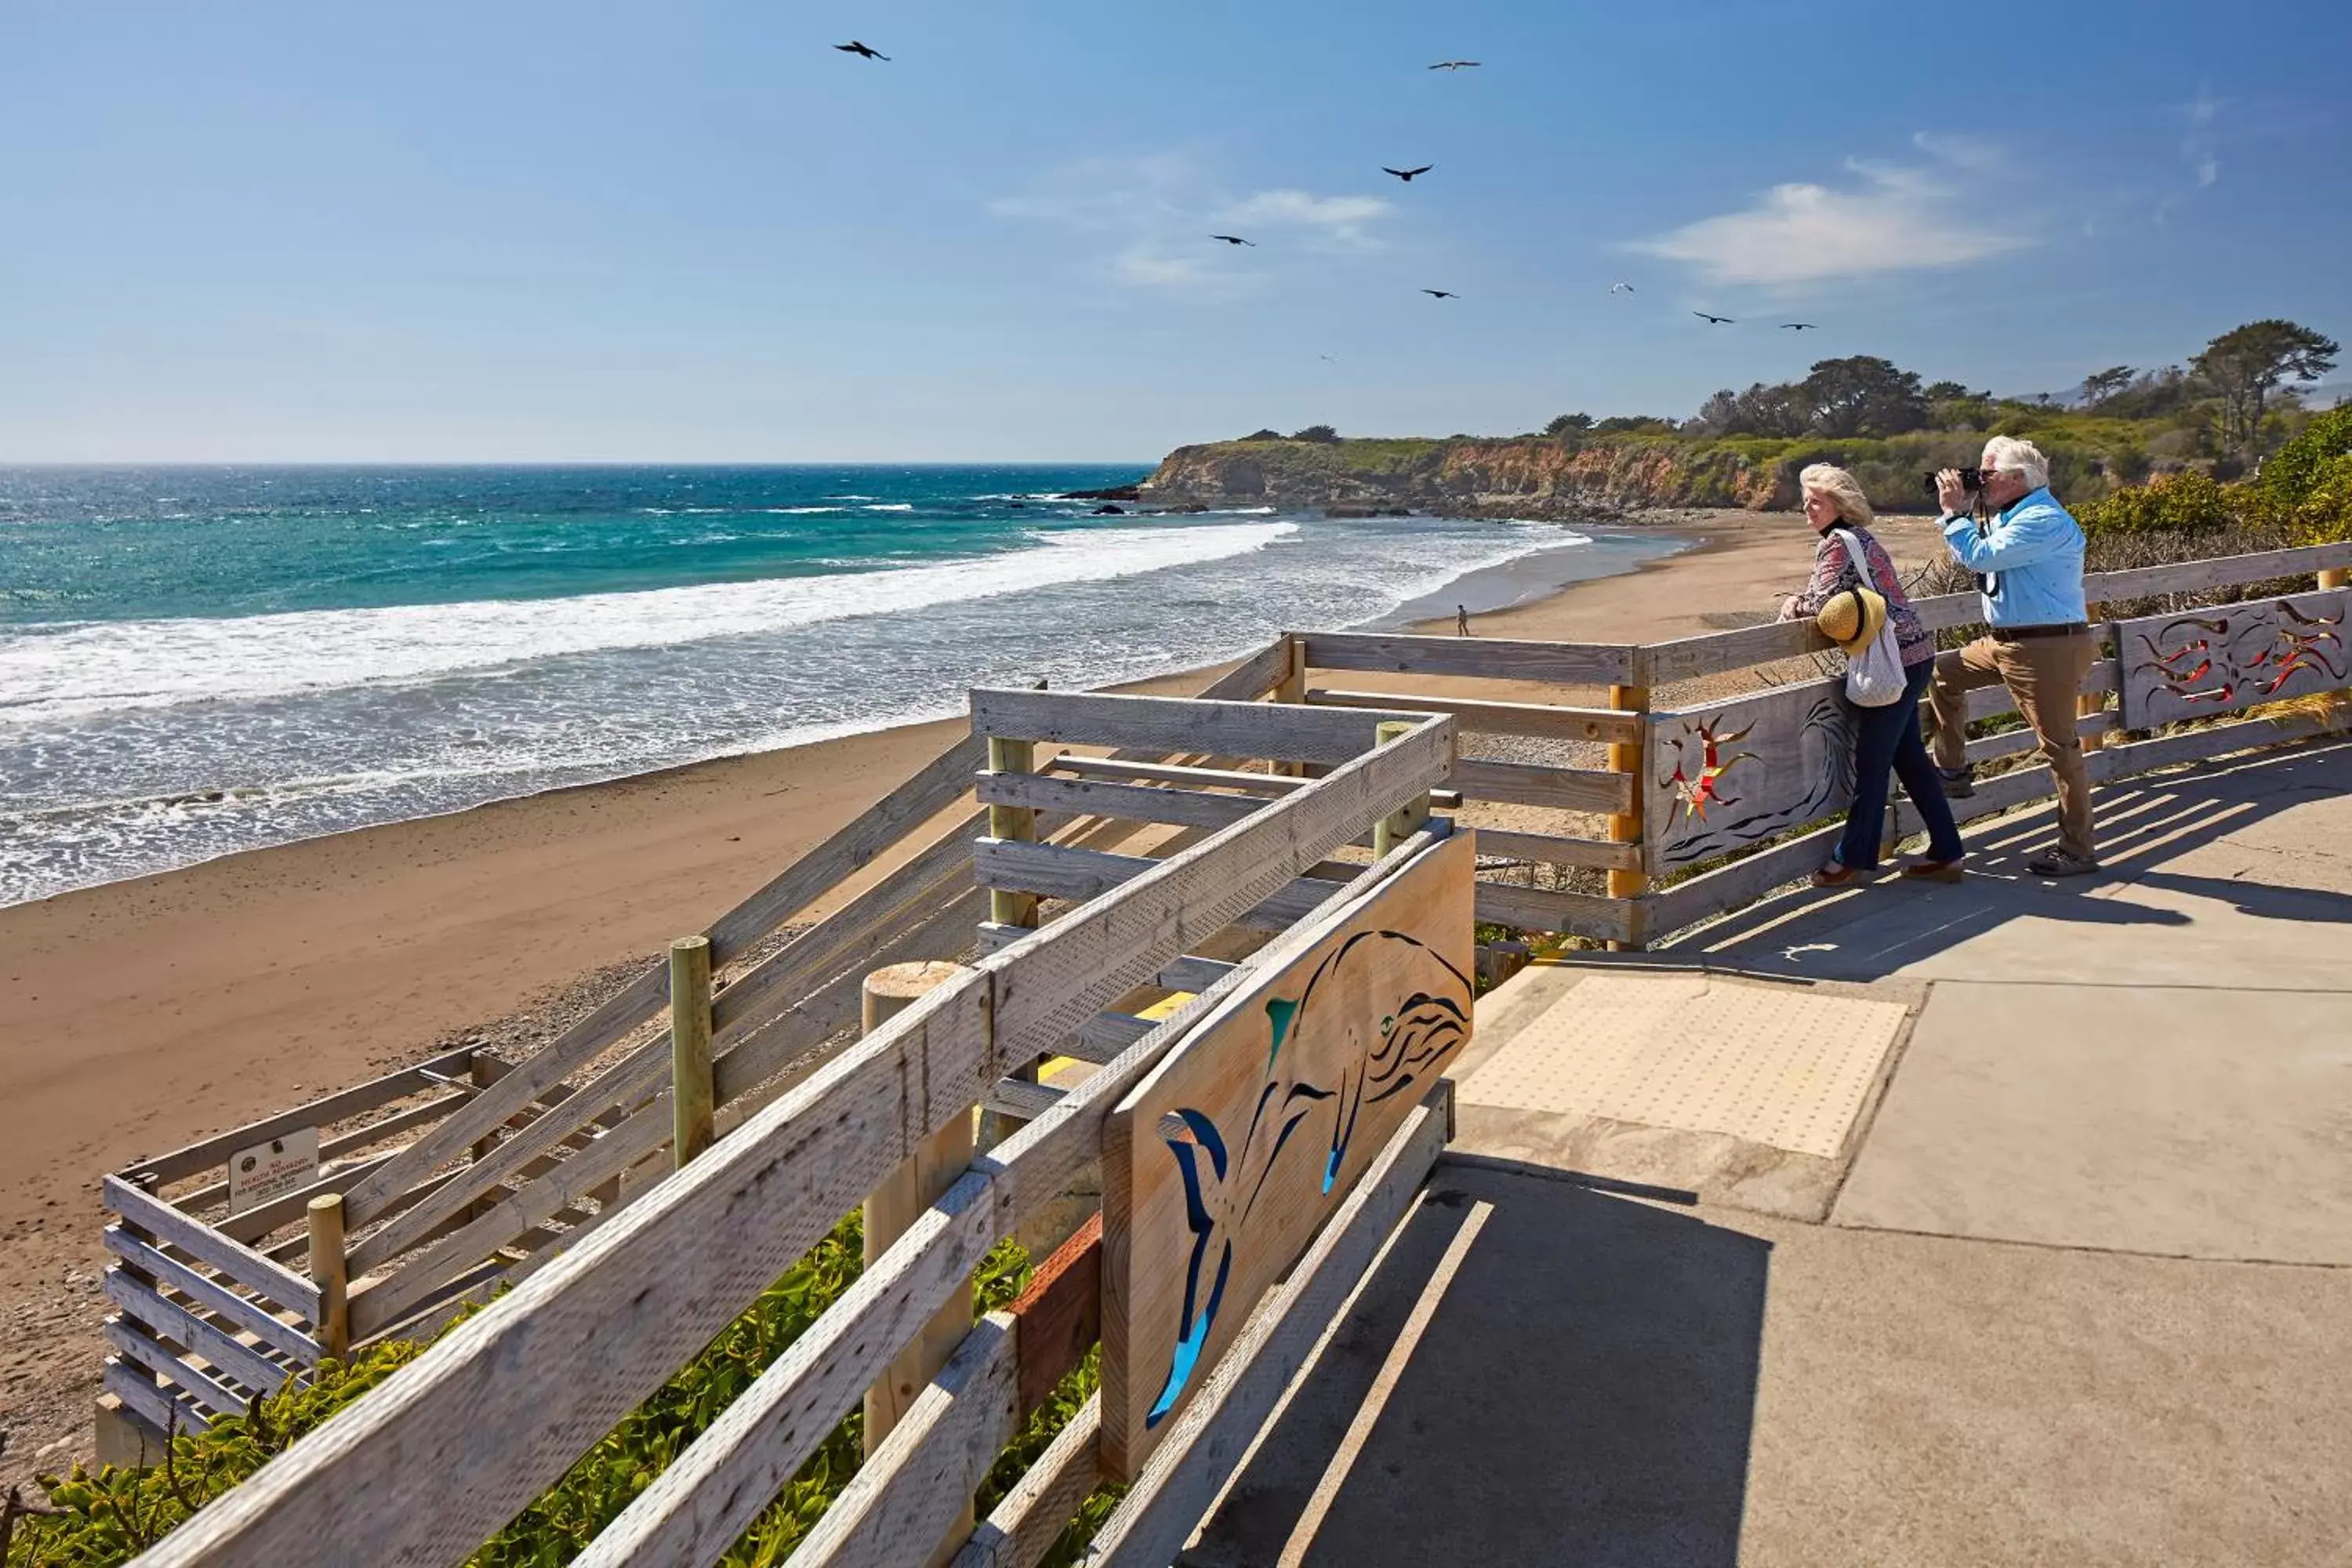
(1408, 176)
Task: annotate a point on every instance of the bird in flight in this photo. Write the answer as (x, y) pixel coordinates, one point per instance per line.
(1453, 65)
(1718, 320)
(1799, 327)
(1439, 294)
(1235, 239)
(1333, 358)
(860, 50)
(1407, 174)
(1621, 288)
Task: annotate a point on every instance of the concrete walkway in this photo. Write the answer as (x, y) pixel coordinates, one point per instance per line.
(2078, 1289)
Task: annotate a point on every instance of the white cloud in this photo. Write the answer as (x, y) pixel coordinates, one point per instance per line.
(1153, 216)
(1893, 218)
(2197, 146)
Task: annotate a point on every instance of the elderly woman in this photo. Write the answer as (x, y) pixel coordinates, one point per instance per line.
(1885, 737)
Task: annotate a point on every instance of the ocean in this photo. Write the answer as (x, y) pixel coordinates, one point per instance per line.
(197, 661)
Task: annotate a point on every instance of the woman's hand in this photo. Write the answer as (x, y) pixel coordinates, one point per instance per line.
(1950, 493)
(1788, 606)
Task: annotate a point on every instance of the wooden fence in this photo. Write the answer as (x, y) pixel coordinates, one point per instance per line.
(1114, 901)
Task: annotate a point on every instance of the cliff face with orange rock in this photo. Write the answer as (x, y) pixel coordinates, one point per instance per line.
(1534, 478)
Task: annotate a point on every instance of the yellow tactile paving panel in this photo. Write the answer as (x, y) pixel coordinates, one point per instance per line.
(1779, 1065)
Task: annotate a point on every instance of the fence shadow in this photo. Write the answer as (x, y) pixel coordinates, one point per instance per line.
(1583, 1393)
(2143, 823)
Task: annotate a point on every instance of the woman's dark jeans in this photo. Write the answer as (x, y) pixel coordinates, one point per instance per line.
(1887, 738)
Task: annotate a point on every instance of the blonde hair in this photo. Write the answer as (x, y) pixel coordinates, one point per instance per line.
(1829, 479)
(2009, 454)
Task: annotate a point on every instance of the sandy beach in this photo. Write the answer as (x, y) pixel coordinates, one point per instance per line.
(140, 1015)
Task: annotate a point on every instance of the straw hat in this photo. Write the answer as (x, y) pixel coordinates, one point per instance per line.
(1852, 618)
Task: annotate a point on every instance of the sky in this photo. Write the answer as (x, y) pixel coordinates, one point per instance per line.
(584, 231)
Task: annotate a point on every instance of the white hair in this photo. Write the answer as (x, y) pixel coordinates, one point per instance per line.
(2011, 456)
(1829, 479)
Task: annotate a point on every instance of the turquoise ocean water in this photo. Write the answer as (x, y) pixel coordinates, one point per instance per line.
(195, 661)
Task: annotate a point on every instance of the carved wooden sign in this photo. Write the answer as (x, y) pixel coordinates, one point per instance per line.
(1221, 1166)
(1716, 778)
(2229, 657)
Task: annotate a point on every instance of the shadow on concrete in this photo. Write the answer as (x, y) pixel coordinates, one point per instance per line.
(1583, 1393)
(1871, 932)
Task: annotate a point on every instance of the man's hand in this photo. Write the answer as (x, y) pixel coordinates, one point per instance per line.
(1950, 493)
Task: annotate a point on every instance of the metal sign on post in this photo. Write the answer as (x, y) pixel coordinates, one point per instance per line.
(286, 1163)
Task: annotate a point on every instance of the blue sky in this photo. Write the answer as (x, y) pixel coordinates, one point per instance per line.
(695, 232)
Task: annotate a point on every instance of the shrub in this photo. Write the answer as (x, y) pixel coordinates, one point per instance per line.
(1316, 433)
(2169, 503)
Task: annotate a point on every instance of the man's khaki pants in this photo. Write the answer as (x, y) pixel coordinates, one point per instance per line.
(2045, 675)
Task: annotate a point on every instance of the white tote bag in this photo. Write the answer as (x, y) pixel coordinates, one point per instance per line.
(1874, 676)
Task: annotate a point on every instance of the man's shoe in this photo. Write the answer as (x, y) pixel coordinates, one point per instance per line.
(2059, 863)
(1958, 783)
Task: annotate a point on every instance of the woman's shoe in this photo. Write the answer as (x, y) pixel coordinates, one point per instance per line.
(1835, 876)
(1924, 870)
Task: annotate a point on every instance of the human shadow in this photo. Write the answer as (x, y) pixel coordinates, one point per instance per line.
(1868, 933)
(1583, 1393)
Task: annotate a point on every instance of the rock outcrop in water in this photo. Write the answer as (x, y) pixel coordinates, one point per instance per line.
(1536, 476)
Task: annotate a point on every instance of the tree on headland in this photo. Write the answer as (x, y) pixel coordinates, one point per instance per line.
(1863, 396)
(1263, 433)
(1949, 392)
(1568, 425)
(2248, 364)
(1316, 433)
(2101, 385)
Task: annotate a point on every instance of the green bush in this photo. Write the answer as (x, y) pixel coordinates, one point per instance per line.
(111, 1516)
(2309, 479)
(2170, 503)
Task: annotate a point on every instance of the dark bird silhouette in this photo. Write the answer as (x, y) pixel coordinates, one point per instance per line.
(1453, 65)
(1718, 320)
(1235, 239)
(1407, 174)
(1621, 288)
(1799, 327)
(1439, 294)
(1333, 358)
(860, 50)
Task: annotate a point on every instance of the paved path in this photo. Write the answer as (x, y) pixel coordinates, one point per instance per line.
(2083, 1293)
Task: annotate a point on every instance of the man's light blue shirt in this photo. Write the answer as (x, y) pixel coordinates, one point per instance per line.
(2031, 558)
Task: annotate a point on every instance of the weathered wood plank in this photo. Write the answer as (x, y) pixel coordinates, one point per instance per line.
(163, 1412)
(1741, 770)
(899, 1507)
(1534, 784)
(332, 1150)
(200, 1241)
(1498, 658)
(1554, 850)
(1178, 773)
(1042, 1503)
(321, 1113)
(1192, 973)
(1134, 802)
(1206, 1441)
(254, 1317)
(1021, 1099)
(1106, 1035)
(1697, 898)
(214, 1394)
(1341, 1038)
(170, 1320)
(500, 1397)
(2221, 660)
(2217, 572)
(1281, 730)
(1576, 914)
(1254, 676)
(698, 1506)
(2115, 762)
(1480, 718)
(1065, 871)
(1059, 1317)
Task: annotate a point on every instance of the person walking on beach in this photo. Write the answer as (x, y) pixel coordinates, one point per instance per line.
(1885, 737)
(2028, 555)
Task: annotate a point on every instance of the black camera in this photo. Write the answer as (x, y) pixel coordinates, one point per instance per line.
(1972, 478)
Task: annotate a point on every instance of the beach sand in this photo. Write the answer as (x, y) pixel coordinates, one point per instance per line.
(142, 1016)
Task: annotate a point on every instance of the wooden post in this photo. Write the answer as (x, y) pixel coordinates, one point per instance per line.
(1406, 820)
(1625, 828)
(2089, 704)
(690, 1103)
(326, 1213)
(897, 1203)
(125, 1437)
(1292, 688)
(1005, 907)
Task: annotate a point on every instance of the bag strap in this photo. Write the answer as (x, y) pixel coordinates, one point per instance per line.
(1853, 552)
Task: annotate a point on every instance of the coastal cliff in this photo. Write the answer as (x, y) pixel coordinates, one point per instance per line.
(1534, 477)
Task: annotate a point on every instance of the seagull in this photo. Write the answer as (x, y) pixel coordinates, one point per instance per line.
(860, 50)
(1235, 239)
(1621, 288)
(1799, 327)
(1453, 65)
(1333, 358)
(1718, 320)
(1439, 294)
(1407, 174)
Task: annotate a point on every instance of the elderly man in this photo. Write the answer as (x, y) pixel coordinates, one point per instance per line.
(2029, 558)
